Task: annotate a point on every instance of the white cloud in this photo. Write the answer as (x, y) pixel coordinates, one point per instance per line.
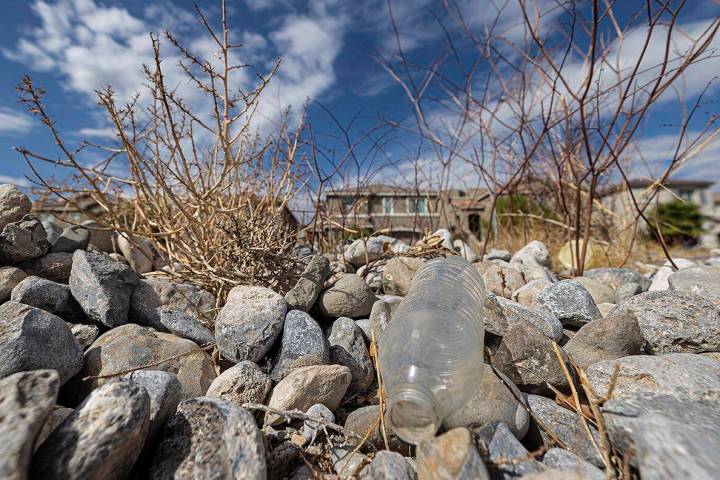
(19, 181)
(105, 133)
(14, 122)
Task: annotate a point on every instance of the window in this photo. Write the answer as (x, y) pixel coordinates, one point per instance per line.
(417, 205)
(388, 205)
(685, 194)
(475, 225)
(346, 203)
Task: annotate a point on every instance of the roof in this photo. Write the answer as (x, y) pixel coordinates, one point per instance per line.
(379, 188)
(647, 183)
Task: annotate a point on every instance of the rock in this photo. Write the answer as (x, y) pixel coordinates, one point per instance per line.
(379, 318)
(445, 236)
(626, 291)
(306, 386)
(498, 445)
(531, 269)
(388, 465)
(308, 287)
(364, 325)
(347, 463)
(364, 422)
(185, 325)
(102, 239)
(528, 293)
(152, 295)
(606, 308)
(47, 295)
(570, 302)
(56, 416)
(599, 292)
(283, 459)
(372, 276)
(9, 278)
(349, 297)
(74, 237)
(32, 339)
(347, 347)
(240, 384)
(119, 258)
(566, 425)
(660, 279)
(366, 250)
(502, 281)
(535, 250)
(102, 287)
(131, 346)
(84, 334)
(398, 274)
(210, 438)
(527, 358)
(555, 474)
(465, 250)
(451, 455)
(26, 399)
(101, 439)
(249, 323)
(23, 240)
(501, 314)
(137, 251)
(680, 375)
(310, 428)
(565, 460)
(53, 266)
(303, 344)
(52, 229)
(703, 280)
(14, 204)
(614, 277)
(675, 321)
(496, 400)
(494, 254)
(615, 336)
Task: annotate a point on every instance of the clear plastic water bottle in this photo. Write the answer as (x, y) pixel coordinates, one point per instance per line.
(431, 354)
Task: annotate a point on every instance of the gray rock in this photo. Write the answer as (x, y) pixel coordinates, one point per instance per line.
(53, 266)
(102, 239)
(494, 254)
(102, 287)
(675, 321)
(364, 422)
(364, 325)
(570, 302)
(600, 292)
(23, 240)
(132, 346)
(379, 319)
(502, 314)
(388, 465)
(347, 347)
(614, 277)
(398, 274)
(26, 400)
(606, 308)
(311, 429)
(533, 260)
(347, 463)
(680, 375)
(451, 455)
(527, 358)
(528, 293)
(47, 295)
(660, 279)
(101, 439)
(137, 251)
(615, 336)
(497, 399)
(306, 386)
(240, 384)
(185, 325)
(303, 344)
(9, 278)
(249, 323)
(84, 334)
(308, 287)
(704, 281)
(555, 474)
(626, 291)
(465, 250)
(32, 339)
(210, 438)
(566, 425)
(52, 229)
(14, 204)
(366, 250)
(565, 460)
(74, 237)
(152, 295)
(349, 297)
(502, 281)
(372, 276)
(56, 416)
(506, 455)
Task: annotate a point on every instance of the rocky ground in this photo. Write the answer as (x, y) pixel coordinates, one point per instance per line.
(110, 370)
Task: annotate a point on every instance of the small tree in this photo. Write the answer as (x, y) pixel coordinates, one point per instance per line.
(678, 221)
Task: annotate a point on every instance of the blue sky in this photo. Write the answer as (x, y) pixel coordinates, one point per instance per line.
(329, 50)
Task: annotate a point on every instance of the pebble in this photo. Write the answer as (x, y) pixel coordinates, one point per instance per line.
(535, 250)
(47, 295)
(303, 344)
(599, 292)
(565, 460)
(9, 278)
(703, 280)
(185, 325)
(465, 251)
(380, 316)
(347, 347)
(310, 284)
(502, 281)
(138, 252)
(23, 240)
(495, 254)
(528, 293)
(614, 277)
(347, 463)
(306, 386)
(53, 266)
(366, 250)
(26, 399)
(32, 339)
(311, 429)
(388, 465)
(570, 302)
(84, 334)
(210, 438)
(102, 287)
(364, 422)
(151, 295)
(52, 229)
(606, 308)
(660, 279)
(615, 336)
(349, 297)
(398, 274)
(249, 323)
(450, 456)
(101, 439)
(74, 237)
(102, 239)
(502, 314)
(506, 455)
(242, 383)
(14, 204)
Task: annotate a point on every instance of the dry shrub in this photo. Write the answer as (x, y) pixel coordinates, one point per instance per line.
(191, 176)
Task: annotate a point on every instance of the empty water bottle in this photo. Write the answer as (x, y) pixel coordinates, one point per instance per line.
(431, 354)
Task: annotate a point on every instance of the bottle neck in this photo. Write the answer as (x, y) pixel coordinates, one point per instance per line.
(413, 414)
